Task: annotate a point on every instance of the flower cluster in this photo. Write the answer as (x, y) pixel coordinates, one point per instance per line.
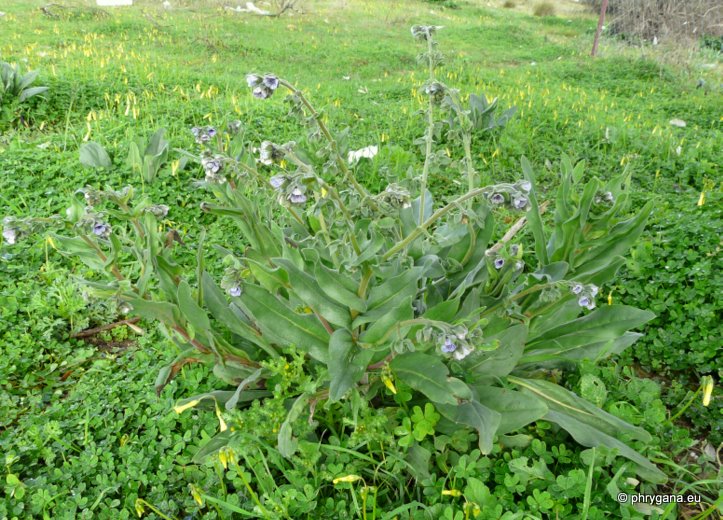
(586, 294)
(395, 196)
(289, 190)
(233, 276)
(436, 90)
(11, 231)
(263, 86)
(424, 32)
(14, 229)
(212, 166)
(606, 198)
(456, 344)
(101, 229)
(157, 210)
(203, 134)
(272, 153)
(234, 127)
(515, 195)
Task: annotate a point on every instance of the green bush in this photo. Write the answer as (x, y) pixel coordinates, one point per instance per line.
(544, 9)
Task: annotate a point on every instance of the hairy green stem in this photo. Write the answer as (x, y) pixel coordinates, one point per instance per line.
(431, 220)
(429, 135)
(330, 138)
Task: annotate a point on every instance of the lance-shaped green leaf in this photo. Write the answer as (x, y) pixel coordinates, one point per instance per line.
(190, 310)
(31, 92)
(232, 373)
(339, 287)
(603, 324)
(209, 400)
(489, 366)
(251, 378)
(369, 249)
(428, 375)
(593, 351)
(616, 242)
(562, 400)
(78, 248)
(309, 292)
(270, 278)
(164, 312)
(283, 326)
(94, 155)
(395, 289)
(286, 442)
(347, 363)
(476, 415)
(590, 436)
(516, 409)
(533, 215)
(236, 322)
(381, 329)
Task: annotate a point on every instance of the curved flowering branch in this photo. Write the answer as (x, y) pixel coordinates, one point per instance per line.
(264, 87)
(433, 89)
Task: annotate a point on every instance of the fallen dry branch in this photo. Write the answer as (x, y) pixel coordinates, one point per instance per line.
(97, 330)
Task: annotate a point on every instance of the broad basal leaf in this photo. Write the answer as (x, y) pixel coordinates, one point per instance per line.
(489, 366)
(605, 323)
(282, 325)
(516, 409)
(308, 291)
(347, 363)
(559, 399)
(94, 155)
(428, 375)
(476, 415)
(591, 437)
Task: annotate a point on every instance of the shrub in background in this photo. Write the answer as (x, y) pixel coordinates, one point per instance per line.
(544, 9)
(664, 19)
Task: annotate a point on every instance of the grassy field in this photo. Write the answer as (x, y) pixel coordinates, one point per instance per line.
(82, 431)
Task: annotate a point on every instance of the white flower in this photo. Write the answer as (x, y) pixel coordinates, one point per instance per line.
(366, 153)
(10, 235)
(462, 352)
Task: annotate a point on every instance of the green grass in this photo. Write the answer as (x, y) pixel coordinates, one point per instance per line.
(67, 407)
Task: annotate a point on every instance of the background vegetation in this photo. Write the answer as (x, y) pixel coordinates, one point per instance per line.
(82, 431)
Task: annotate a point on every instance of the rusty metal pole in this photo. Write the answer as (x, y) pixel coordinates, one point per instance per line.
(600, 22)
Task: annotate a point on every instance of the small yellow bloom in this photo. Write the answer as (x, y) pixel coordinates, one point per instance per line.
(183, 408)
(226, 455)
(140, 509)
(707, 390)
(451, 493)
(610, 298)
(347, 479)
(196, 495)
(389, 384)
(221, 423)
(324, 193)
(701, 200)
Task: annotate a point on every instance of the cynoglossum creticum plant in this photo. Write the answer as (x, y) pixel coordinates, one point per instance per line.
(15, 89)
(384, 290)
